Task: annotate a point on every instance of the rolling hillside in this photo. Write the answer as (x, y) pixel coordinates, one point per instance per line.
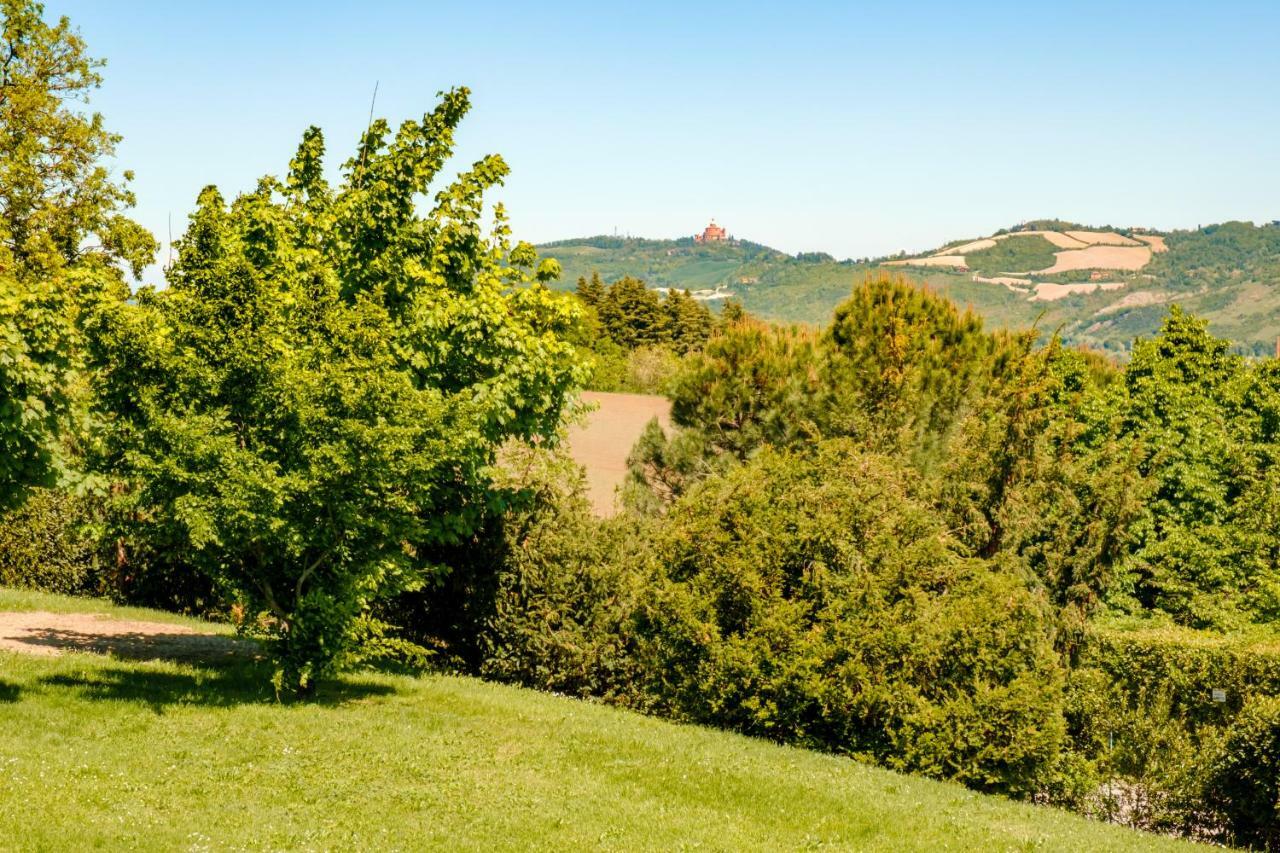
(1101, 286)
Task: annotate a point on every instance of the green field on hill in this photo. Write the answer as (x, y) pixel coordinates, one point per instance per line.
(157, 755)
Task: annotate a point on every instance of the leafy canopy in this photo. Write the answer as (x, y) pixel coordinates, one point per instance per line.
(318, 396)
(62, 235)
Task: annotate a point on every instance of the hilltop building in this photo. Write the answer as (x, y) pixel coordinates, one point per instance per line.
(713, 233)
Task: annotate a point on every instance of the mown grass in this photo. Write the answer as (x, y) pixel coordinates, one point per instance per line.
(98, 752)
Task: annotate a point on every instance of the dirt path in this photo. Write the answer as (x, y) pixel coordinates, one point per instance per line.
(602, 445)
(48, 634)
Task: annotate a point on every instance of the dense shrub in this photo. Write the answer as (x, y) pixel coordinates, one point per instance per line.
(44, 545)
(643, 370)
(814, 600)
(565, 594)
(62, 542)
(1141, 708)
(1244, 782)
(1030, 476)
(542, 594)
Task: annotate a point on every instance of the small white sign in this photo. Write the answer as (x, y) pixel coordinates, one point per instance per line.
(1219, 695)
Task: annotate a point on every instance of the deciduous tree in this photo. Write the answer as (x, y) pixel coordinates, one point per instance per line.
(317, 397)
(63, 236)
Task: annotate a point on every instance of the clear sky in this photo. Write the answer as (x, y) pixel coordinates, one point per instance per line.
(851, 128)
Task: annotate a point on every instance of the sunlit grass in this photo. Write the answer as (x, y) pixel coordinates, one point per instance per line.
(98, 752)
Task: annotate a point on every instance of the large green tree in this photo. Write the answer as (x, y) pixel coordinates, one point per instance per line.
(1202, 422)
(316, 398)
(63, 237)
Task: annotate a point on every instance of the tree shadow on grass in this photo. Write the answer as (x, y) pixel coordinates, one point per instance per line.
(221, 686)
(184, 646)
(9, 692)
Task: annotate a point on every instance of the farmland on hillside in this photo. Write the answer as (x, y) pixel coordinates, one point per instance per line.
(1121, 284)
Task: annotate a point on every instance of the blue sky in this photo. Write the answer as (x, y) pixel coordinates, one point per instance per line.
(856, 129)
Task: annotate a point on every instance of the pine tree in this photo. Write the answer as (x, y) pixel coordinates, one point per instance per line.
(689, 322)
(591, 292)
(633, 315)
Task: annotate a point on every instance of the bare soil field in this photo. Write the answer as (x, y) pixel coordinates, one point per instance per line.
(1007, 281)
(50, 634)
(932, 261)
(602, 444)
(1134, 300)
(1048, 291)
(1155, 242)
(965, 248)
(1101, 257)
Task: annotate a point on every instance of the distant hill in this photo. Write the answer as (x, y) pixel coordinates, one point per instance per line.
(1101, 286)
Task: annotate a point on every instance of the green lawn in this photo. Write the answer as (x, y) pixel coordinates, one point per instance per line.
(99, 752)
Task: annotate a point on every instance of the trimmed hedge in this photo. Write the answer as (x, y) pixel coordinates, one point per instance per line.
(1141, 707)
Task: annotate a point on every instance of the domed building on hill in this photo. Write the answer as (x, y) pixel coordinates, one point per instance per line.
(713, 233)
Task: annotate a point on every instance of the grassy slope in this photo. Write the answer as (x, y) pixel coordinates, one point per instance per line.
(1229, 274)
(101, 752)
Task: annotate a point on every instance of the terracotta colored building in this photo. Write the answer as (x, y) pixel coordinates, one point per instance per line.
(713, 233)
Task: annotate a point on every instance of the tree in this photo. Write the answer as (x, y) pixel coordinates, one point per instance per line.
(592, 292)
(689, 323)
(316, 399)
(899, 364)
(733, 312)
(62, 235)
(1182, 406)
(1035, 472)
(632, 314)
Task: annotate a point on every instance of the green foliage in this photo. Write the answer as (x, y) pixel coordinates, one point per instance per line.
(62, 237)
(1201, 422)
(1029, 475)
(815, 600)
(36, 361)
(1245, 779)
(635, 337)
(1142, 710)
(895, 370)
(56, 190)
(901, 364)
(592, 292)
(55, 541)
(631, 314)
(1023, 253)
(565, 593)
(643, 370)
(754, 384)
(43, 545)
(317, 396)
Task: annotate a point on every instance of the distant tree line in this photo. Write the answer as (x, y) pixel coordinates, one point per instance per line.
(633, 315)
(637, 336)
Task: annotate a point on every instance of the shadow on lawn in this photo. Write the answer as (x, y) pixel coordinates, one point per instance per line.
(105, 638)
(9, 692)
(225, 686)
